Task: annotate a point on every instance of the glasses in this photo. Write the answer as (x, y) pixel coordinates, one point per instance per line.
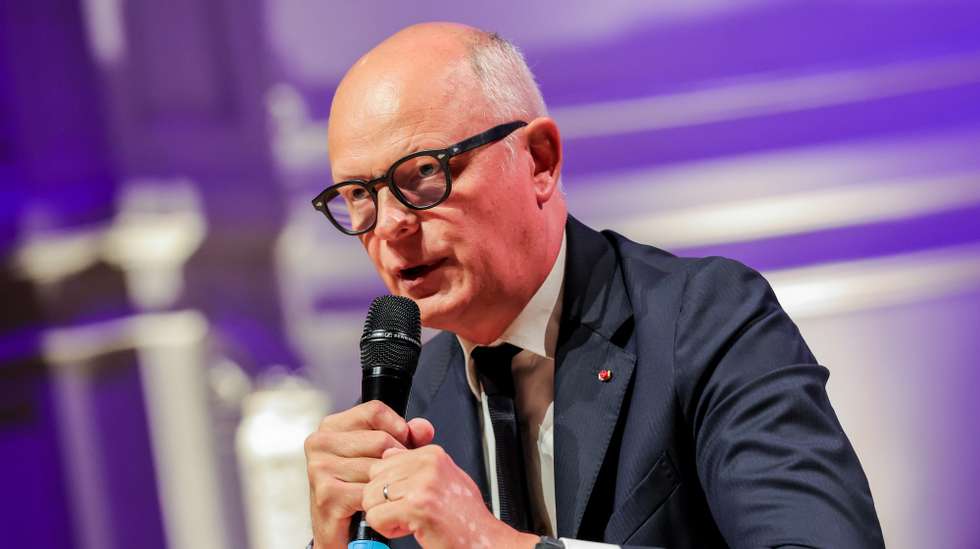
(420, 181)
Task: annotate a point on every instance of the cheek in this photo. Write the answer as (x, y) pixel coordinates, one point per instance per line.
(373, 249)
(489, 263)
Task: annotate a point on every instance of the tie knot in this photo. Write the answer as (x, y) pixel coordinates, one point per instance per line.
(493, 367)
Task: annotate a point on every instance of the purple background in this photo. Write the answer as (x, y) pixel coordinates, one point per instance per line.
(847, 133)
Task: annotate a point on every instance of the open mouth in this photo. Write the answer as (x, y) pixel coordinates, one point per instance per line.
(418, 271)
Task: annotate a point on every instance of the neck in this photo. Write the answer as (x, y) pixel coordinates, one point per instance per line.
(483, 328)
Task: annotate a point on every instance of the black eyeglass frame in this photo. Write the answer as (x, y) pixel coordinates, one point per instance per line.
(492, 135)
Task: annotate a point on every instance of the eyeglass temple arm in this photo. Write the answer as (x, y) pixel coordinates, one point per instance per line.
(493, 134)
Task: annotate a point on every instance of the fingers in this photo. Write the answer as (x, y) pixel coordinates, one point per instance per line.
(430, 497)
(334, 498)
(346, 469)
(373, 493)
(420, 432)
(397, 465)
(339, 457)
(351, 443)
(373, 415)
(393, 519)
(392, 451)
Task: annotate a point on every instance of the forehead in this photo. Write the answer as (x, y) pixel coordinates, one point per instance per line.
(381, 115)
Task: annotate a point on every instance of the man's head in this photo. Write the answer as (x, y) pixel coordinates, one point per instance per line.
(472, 262)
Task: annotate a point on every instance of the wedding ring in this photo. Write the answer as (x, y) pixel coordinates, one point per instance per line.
(385, 492)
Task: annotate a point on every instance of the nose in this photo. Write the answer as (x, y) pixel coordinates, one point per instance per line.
(395, 220)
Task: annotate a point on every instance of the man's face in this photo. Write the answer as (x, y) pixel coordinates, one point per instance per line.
(471, 253)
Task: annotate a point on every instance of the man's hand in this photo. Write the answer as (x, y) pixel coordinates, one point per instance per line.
(339, 456)
(430, 497)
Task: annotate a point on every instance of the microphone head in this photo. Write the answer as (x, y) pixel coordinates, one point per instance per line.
(392, 334)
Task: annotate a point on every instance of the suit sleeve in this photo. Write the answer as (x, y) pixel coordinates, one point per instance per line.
(773, 460)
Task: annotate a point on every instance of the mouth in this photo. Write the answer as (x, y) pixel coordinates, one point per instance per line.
(416, 272)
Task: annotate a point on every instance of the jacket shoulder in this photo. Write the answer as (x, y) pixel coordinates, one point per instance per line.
(646, 267)
(655, 258)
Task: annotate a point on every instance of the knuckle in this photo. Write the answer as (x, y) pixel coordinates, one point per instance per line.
(324, 467)
(316, 438)
(436, 457)
(331, 499)
(374, 469)
(381, 441)
(426, 502)
(329, 439)
(375, 409)
(327, 422)
(323, 492)
(370, 493)
(312, 469)
(320, 443)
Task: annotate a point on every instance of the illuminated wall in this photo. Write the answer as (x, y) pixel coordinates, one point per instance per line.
(162, 261)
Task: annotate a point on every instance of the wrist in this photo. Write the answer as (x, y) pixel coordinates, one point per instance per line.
(524, 540)
(332, 534)
(503, 536)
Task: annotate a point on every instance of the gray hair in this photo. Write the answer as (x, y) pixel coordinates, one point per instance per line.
(506, 79)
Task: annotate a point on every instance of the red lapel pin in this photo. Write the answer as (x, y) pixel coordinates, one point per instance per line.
(605, 375)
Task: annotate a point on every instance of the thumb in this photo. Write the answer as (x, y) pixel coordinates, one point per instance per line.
(420, 432)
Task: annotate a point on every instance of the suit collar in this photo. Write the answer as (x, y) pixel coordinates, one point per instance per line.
(595, 294)
(595, 326)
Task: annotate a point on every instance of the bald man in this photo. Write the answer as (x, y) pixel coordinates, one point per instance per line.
(583, 387)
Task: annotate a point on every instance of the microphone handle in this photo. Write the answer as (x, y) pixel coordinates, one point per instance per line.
(387, 384)
(390, 385)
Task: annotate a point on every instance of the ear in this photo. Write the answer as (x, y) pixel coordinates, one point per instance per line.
(544, 144)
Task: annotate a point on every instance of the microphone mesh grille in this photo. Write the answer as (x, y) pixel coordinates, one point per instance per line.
(399, 317)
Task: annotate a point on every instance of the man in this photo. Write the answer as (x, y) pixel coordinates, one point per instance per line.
(656, 401)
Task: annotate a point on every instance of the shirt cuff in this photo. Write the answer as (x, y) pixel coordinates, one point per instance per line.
(580, 544)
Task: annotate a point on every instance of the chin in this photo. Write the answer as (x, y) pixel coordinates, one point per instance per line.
(442, 310)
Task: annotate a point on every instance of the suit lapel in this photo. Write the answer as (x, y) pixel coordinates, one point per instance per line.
(594, 309)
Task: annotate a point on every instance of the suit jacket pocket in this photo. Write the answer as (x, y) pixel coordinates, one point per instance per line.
(643, 501)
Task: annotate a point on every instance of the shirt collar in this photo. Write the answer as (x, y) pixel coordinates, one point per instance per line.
(536, 328)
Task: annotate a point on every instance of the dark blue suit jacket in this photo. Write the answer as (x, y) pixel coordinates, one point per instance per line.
(715, 429)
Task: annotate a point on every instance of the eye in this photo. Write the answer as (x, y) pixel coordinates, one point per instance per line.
(358, 193)
(428, 169)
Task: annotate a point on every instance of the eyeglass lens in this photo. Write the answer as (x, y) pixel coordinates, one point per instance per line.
(421, 181)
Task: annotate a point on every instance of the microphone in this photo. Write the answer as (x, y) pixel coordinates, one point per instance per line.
(390, 346)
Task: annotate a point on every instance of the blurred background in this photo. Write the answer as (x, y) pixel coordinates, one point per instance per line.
(175, 317)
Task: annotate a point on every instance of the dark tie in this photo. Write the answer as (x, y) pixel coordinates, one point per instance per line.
(493, 366)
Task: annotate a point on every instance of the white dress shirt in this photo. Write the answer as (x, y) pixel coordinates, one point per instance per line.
(535, 331)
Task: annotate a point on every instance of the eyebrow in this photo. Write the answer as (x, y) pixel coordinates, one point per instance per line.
(390, 164)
